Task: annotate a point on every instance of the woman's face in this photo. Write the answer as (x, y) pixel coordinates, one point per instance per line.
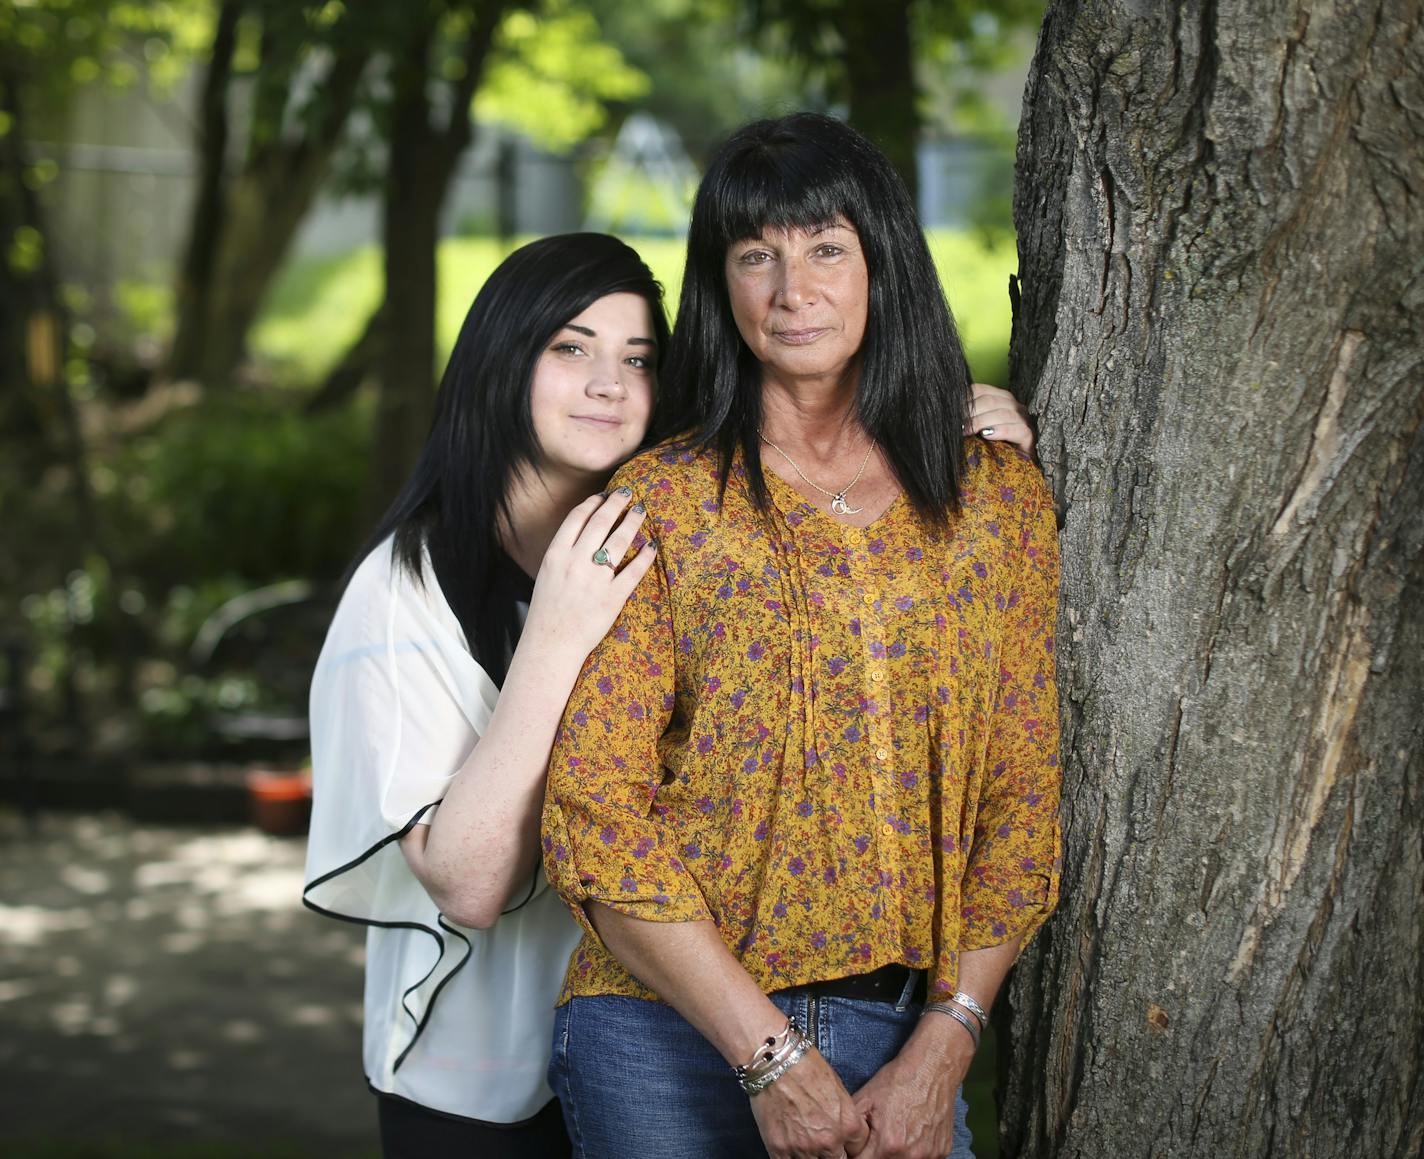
(592, 389)
(800, 299)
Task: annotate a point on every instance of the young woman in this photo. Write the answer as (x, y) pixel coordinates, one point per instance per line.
(444, 674)
(436, 697)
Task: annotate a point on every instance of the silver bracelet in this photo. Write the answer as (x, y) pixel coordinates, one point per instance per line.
(968, 1002)
(754, 1086)
(959, 1016)
(765, 1054)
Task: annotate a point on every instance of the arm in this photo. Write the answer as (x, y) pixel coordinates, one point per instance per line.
(997, 415)
(610, 855)
(481, 844)
(909, 1102)
(1010, 883)
(806, 1112)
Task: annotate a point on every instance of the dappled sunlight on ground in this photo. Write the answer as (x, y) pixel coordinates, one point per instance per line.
(164, 985)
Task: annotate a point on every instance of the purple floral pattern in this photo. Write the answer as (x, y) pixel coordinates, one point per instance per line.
(839, 744)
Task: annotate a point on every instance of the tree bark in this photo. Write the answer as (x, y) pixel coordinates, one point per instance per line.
(424, 154)
(261, 210)
(1221, 326)
(193, 299)
(880, 80)
(410, 234)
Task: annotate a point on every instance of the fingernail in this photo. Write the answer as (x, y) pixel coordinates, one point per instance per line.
(639, 508)
(625, 490)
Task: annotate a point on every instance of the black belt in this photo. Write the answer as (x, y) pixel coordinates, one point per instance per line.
(886, 984)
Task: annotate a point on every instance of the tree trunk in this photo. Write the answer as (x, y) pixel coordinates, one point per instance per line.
(880, 80)
(1221, 215)
(424, 155)
(260, 212)
(410, 233)
(195, 279)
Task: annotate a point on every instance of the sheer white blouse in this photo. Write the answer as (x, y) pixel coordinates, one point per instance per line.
(457, 1019)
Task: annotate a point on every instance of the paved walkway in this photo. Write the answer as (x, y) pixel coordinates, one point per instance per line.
(164, 993)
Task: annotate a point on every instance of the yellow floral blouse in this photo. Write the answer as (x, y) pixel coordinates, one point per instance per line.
(840, 745)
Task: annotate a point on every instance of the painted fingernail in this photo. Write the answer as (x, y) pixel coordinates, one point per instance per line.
(625, 490)
(639, 508)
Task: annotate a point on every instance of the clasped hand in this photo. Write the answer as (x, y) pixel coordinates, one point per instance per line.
(905, 1111)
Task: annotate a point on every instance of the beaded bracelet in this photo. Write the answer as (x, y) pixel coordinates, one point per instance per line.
(766, 1052)
(773, 1058)
(959, 1016)
(754, 1086)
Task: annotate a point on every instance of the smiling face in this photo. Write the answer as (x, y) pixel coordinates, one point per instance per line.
(592, 389)
(800, 299)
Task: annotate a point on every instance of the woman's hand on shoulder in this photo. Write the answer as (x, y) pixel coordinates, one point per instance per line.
(583, 582)
(999, 416)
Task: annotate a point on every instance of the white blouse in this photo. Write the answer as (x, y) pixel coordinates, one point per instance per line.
(457, 1019)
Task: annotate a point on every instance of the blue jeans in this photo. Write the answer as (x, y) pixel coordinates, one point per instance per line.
(636, 1080)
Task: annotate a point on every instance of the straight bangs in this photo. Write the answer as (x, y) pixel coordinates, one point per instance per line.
(805, 171)
(776, 187)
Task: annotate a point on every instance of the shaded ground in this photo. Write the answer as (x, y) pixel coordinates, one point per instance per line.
(163, 993)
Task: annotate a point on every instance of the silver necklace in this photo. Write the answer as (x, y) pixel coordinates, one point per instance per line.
(838, 498)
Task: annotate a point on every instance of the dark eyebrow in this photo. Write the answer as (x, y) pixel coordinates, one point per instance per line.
(593, 334)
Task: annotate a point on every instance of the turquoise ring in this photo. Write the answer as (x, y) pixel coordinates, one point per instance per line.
(601, 556)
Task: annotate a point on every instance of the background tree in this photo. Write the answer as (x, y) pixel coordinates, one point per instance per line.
(869, 54)
(1221, 328)
(544, 70)
(304, 65)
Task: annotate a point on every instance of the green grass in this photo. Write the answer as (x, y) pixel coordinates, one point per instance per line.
(319, 305)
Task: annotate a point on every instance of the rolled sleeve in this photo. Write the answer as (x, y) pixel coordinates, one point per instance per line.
(1011, 878)
(603, 835)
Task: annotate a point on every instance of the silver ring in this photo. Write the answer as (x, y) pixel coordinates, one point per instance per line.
(602, 558)
(987, 432)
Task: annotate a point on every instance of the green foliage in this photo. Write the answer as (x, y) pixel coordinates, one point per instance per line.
(553, 76)
(58, 44)
(241, 487)
(709, 72)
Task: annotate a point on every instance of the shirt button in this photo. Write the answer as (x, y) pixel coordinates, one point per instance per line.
(888, 830)
(868, 600)
(877, 674)
(882, 754)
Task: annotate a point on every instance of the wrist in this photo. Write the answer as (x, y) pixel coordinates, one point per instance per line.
(940, 1043)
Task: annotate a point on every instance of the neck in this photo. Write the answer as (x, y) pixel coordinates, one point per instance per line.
(539, 501)
(818, 416)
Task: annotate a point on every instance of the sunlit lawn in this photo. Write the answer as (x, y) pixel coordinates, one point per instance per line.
(320, 304)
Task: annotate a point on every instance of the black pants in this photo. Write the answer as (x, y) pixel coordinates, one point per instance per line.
(409, 1131)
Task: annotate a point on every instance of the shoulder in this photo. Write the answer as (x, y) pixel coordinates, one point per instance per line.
(382, 586)
(669, 474)
(1000, 478)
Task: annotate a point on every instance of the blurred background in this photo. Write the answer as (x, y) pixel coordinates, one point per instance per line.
(237, 240)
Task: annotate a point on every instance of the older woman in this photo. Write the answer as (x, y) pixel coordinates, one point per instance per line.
(804, 798)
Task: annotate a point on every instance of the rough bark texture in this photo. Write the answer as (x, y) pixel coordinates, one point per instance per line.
(1221, 326)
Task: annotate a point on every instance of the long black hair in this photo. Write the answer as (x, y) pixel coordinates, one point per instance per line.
(804, 171)
(457, 496)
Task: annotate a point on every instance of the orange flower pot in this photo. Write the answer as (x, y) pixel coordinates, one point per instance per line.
(280, 800)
